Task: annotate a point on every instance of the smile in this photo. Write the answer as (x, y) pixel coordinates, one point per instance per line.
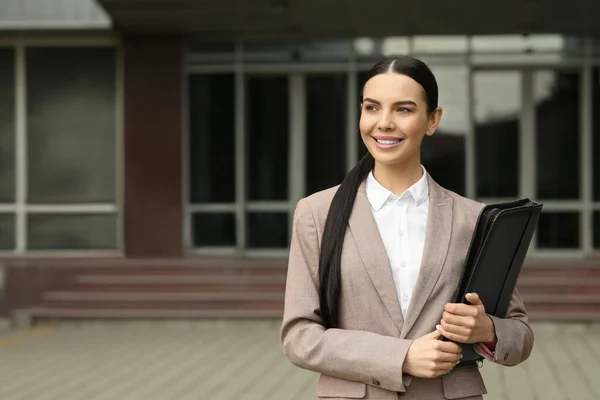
(387, 143)
(382, 141)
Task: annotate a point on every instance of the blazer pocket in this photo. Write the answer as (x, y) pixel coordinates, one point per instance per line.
(329, 386)
(462, 382)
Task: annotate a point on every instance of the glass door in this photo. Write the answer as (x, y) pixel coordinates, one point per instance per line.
(527, 144)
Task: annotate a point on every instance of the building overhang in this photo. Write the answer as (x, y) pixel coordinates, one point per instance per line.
(232, 19)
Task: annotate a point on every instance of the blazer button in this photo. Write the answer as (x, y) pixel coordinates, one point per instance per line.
(376, 382)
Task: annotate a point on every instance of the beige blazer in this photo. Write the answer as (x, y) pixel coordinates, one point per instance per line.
(363, 359)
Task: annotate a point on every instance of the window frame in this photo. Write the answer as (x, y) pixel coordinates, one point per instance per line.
(19, 208)
(473, 61)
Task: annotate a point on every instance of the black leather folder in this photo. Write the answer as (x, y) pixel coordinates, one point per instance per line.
(495, 257)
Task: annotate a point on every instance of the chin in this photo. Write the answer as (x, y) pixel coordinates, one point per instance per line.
(388, 159)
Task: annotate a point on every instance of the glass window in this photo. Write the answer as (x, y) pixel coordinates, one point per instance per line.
(71, 122)
(361, 77)
(596, 224)
(558, 230)
(214, 229)
(446, 44)
(518, 43)
(212, 138)
(326, 113)
(371, 50)
(7, 232)
(268, 137)
(596, 133)
(268, 230)
(71, 232)
(443, 154)
(297, 51)
(497, 96)
(7, 126)
(557, 108)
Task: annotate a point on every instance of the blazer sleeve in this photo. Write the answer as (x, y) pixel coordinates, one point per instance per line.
(346, 354)
(515, 337)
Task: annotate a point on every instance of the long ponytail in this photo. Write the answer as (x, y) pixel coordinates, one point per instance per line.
(330, 259)
(333, 240)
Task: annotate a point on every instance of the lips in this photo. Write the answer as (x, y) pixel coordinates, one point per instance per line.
(387, 139)
(387, 142)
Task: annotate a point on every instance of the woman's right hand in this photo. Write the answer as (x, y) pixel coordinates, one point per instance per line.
(429, 357)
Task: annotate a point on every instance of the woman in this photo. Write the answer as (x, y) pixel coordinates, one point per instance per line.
(375, 262)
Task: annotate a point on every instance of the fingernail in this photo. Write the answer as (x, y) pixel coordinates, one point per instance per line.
(438, 327)
(461, 356)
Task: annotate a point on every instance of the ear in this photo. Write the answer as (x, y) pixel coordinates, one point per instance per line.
(434, 121)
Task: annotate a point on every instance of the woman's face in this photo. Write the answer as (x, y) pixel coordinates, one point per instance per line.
(394, 118)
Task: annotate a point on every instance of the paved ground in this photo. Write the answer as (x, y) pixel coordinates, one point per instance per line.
(241, 360)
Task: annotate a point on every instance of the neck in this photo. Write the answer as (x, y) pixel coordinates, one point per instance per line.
(397, 178)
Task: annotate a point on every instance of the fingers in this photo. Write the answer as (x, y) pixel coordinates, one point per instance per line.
(448, 357)
(449, 347)
(453, 336)
(458, 320)
(435, 335)
(461, 309)
(456, 329)
(474, 299)
(443, 369)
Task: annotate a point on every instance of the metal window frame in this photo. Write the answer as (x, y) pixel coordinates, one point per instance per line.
(474, 62)
(528, 150)
(20, 208)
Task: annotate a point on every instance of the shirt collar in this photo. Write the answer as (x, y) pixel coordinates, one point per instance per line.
(378, 195)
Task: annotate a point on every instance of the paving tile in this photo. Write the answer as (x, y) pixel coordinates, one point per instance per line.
(243, 360)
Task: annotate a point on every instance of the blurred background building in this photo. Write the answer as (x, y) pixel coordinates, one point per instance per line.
(152, 152)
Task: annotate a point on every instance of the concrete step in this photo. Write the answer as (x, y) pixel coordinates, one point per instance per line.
(180, 279)
(553, 290)
(170, 288)
(562, 271)
(57, 312)
(571, 316)
(554, 280)
(161, 305)
(172, 296)
(558, 298)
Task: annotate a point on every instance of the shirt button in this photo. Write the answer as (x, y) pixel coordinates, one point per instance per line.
(405, 298)
(403, 264)
(400, 232)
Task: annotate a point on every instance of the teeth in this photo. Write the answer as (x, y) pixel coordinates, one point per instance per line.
(387, 141)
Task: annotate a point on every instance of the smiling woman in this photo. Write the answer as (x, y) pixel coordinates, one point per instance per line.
(366, 309)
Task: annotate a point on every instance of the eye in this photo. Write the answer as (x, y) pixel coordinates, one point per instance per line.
(404, 109)
(370, 107)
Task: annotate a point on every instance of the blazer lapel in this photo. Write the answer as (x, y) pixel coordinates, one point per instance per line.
(437, 241)
(373, 254)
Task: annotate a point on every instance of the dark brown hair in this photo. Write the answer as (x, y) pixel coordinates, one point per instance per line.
(343, 201)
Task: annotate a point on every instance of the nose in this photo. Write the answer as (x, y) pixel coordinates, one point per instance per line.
(385, 123)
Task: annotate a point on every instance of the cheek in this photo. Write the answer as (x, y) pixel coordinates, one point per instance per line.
(366, 124)
(412, 126)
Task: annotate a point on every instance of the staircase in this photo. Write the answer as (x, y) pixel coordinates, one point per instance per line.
(561, 290)
(197, 288)
(171, 289)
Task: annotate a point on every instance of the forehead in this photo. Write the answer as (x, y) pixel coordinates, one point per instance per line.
(392, 87)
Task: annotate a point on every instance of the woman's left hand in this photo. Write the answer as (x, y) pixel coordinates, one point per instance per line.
(468, 323)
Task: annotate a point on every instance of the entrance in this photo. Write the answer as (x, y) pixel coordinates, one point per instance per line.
(528, 143)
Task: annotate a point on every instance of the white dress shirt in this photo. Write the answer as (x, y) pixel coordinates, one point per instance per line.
(402, 221)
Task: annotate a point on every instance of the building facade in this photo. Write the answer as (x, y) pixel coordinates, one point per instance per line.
(128, 132)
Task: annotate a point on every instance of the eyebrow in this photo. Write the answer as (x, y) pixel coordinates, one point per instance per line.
(398, 103)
